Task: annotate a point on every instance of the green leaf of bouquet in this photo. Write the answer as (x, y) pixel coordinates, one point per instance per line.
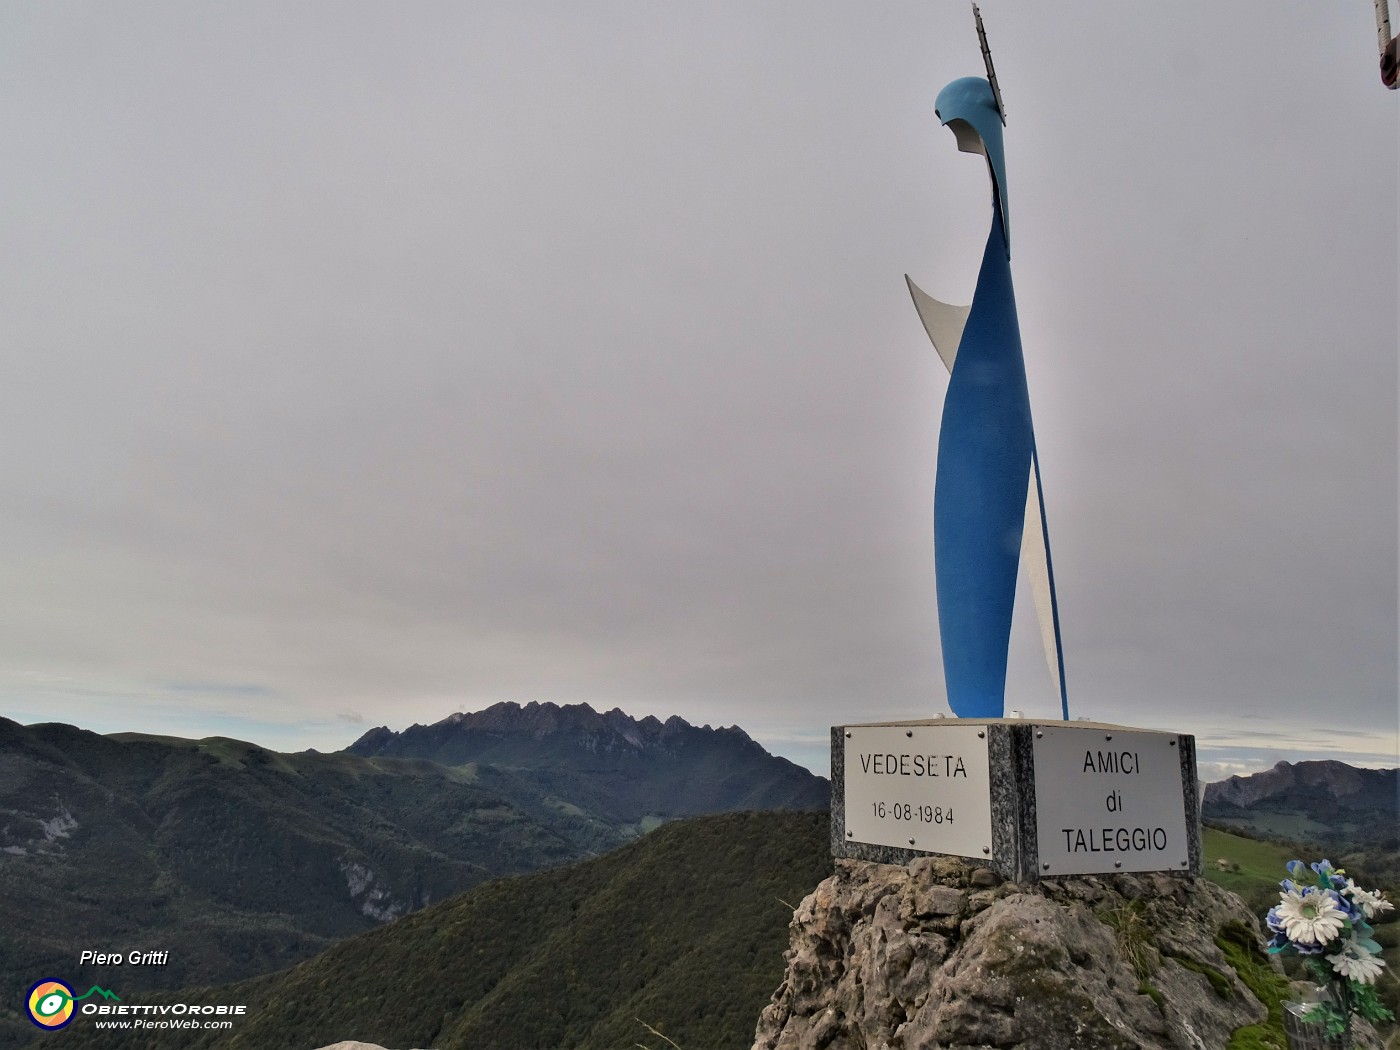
(1364, 993)
(1317, 1014)
(1372, 1010)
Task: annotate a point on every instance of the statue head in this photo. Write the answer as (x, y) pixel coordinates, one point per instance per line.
(968, 108)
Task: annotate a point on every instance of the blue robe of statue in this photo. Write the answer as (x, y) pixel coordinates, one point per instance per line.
(986, 449)
(979, 500)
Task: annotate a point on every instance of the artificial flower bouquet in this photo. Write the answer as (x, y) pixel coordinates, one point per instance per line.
(1325, 920)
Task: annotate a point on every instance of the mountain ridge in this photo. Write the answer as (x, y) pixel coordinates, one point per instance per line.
(1339, 779)
(545, 718)
(632, 769)
(1351, 814)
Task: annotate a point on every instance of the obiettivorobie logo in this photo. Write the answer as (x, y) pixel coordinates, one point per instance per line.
(50, 1002)
(52, 1005)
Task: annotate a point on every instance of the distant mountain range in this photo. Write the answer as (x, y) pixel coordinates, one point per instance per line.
(1332, 804)
(239, 860)
(626, 769)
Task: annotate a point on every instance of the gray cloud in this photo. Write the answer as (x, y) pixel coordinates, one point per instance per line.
(398, 363)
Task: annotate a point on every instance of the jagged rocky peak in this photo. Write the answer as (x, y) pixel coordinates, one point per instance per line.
(628, 728)
(547, 717)
(544, 718)
(649, 767)
(374, 738)
(735, 732)
(941, 953)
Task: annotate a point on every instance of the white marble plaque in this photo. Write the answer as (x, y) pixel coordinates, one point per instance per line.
(1108, 801)
(919, 787)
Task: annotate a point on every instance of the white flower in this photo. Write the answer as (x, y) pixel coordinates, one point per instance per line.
(1310, 915)
(1356, 962)
(1371, 904)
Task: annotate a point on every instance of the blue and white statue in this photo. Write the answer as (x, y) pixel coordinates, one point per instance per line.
(989, 511)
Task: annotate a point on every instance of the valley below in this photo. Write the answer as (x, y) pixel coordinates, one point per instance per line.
(528, 876)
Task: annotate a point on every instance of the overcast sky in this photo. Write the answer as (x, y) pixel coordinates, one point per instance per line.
(364, 362)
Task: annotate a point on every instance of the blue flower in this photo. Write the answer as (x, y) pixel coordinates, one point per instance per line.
(1326, 875)
(1295, 867)
(1347, 905)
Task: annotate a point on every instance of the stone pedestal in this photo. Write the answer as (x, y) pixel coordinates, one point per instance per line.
(1026, 799)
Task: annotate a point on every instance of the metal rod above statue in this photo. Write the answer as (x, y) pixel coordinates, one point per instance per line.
(989, 508)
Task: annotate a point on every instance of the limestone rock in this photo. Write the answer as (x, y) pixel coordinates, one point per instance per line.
(937, 956)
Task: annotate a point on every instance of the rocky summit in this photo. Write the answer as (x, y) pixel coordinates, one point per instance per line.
(939, 955)
(1305, 783)
(1338, 807)
(508, 732)
(610, 763)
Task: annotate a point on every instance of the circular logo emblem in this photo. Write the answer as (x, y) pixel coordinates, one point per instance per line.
(51, 1004)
